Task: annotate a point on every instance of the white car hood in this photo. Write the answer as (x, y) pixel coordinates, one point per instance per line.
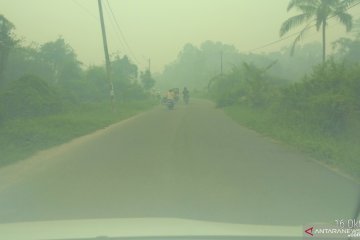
(138, 227)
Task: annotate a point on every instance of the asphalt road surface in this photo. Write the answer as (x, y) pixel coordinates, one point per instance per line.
(193, 162)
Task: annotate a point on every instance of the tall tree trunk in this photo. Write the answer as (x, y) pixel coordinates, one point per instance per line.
(324, 40)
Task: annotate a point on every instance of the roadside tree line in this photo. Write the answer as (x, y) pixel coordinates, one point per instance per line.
(43, 78)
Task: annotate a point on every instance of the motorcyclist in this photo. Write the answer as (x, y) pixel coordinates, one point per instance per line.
(170, 95)
(170, 99)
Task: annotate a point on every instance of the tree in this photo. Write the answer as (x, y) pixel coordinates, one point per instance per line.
(246, 84)
(123, 69)
(147, 80)
(62, 59)
(29, 96)
(25, 60)
(124, 74)
(194, 65)
(356, 28)
(318, 11)
(7, 42)
(348, 49)
(96, 83)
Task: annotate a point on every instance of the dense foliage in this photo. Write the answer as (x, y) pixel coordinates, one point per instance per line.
(194, 66)
(320, 114)
(317, 13)
(326, 99)
(29, 96)
(43, 79)
(244, 84)
(48, 97)
(7, 42)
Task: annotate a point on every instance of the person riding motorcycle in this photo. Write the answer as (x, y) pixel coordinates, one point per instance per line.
(170, 99)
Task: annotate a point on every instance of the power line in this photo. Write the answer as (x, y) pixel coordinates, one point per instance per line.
(117, 35)
(274, 42)
(294, 34)
(84, 9)
(121, 32)
(123, 45)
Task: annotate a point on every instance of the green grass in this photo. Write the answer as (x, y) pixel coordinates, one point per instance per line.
(21, 138)
(340, 152)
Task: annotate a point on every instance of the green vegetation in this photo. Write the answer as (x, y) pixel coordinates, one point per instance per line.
(22, 137)
(35, 115)
(47, 97)
(317, 13)
(7, 41)
(319, 115)
(311, 104)
(146, 79)
(194, 65)
(29, 96)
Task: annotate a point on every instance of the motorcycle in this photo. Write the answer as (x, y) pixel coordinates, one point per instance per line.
(170, 103)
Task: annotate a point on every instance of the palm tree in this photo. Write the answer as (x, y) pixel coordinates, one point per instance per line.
(316, 13)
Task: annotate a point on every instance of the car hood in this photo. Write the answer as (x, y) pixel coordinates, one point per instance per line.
(139, 227)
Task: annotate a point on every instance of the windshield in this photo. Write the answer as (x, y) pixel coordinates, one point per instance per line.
(222, 111)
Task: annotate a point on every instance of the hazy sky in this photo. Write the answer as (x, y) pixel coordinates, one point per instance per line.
(154, 28)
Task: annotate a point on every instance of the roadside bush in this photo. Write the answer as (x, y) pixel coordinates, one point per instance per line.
(244, 84)
(29, 96)
(323, 101)
(319, 115)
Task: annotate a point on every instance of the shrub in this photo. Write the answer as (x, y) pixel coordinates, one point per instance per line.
(29, 96)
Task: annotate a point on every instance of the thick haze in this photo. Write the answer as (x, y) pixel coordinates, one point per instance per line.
(154, 28)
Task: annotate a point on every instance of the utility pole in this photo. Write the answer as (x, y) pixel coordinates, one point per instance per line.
(149, 65)
(107, 58)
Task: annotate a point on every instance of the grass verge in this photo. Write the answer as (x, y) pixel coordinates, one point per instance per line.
(338, 152)
(21, 138)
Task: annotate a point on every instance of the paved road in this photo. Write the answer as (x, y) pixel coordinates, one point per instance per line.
(193, 162)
